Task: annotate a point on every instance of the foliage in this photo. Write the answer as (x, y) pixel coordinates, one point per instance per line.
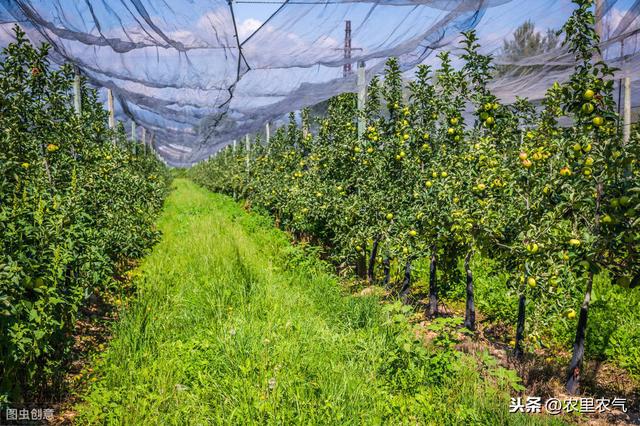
(275, 341)
(551, 206)
(76, 199)
(526, 43)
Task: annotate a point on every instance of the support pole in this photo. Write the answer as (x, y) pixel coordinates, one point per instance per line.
(133, 130)
(268, 131)
(152, 145)
(112, 116)
(305, 130)
(77, 94)
(626, 123)
(598, 25)
(598, 16)
(233, 158)
(362, 96)
(620, 82)
(247, 145)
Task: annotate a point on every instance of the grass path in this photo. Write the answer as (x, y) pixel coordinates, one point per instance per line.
(232, 325)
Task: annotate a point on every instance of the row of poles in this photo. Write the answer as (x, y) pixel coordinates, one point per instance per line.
(77, 105)
(346, 71)
(624, 84)
(362, 96)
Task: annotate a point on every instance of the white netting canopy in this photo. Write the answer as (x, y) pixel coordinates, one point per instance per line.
(201, 73)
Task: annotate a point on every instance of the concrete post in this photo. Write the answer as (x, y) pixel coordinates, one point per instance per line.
(268, 131)
(77, 94)
(626, 115)
(112, 116)
(362, 96)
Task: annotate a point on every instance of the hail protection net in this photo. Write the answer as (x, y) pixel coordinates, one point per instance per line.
(200, 73)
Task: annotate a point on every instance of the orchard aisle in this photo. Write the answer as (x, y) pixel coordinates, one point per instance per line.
(232, 325)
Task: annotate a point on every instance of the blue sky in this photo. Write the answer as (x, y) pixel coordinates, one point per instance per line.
(298, 49)
(260, 12)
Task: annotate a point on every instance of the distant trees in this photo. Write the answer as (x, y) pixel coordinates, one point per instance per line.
(526, 43)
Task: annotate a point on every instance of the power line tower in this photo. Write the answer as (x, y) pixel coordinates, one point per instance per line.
(347, 49)
(347, 71)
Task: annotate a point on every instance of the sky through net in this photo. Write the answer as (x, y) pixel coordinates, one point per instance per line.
(200, 73)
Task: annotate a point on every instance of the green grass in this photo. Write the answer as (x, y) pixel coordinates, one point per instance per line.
(614, 318)
(233, 325)
(613, 328)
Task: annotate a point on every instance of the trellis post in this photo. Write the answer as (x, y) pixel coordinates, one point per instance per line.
(112, 116)
(247, 146)
(268, 132)
(77, 94)
(362, 96)
(626, 115)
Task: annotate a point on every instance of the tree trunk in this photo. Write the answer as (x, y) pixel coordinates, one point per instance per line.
(635, 282)
(573, 372)
(517, 350)
(433, 289)
(387, 270)
(470, 311)
(372, 260)
(361, 265)
(406, 283)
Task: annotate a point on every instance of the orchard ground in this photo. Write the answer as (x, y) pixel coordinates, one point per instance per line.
(231, 323)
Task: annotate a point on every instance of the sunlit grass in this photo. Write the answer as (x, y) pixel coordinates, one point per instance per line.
(232, 325)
